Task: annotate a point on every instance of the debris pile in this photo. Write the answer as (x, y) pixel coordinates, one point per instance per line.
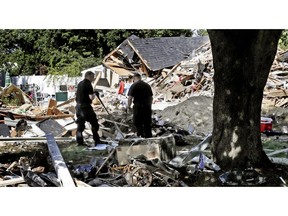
(179, 152)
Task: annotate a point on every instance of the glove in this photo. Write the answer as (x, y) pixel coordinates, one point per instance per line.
(96, 93)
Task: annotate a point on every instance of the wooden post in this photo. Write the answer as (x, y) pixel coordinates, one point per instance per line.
(96, 80)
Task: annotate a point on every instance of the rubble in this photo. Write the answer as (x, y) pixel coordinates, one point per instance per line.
(178, 154)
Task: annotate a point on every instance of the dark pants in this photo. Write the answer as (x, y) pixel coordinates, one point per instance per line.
(142, 120)
(85, 112)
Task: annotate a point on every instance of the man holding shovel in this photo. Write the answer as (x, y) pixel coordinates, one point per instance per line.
(84, 110)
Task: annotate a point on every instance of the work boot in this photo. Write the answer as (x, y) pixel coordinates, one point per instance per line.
(97, 142)
(82, 144)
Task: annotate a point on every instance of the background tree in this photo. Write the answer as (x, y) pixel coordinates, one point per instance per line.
(59, 51)
(283, 42)
(242, 60)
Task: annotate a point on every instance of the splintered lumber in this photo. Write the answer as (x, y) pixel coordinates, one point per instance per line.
(51, 105)
(18, 180)
(276, 93)
(282, 102)
(66, 102)
(59, 164)
(81, 183)
(58, 116)
(171, 71)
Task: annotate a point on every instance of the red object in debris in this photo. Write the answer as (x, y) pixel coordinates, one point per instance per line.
(266, 124)
(121, 87)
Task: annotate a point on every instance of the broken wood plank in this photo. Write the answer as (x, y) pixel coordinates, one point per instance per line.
(18, 180)
(32, 139)
(96, 80)
(171, 71)
(282, 102)
(105, 161)
(66, 102)
(59, 163)
(278, 152)
(276, 93)
(51, 105)
(81, 183)
(39, 118)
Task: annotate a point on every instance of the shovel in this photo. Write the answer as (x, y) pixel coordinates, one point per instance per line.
(109, 115)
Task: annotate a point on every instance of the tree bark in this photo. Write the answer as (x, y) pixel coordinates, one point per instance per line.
(242, 60)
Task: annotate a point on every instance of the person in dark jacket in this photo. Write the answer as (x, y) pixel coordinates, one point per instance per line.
(84, 110)
(142, 96)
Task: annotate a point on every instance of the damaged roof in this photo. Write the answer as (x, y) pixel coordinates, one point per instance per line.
(161, 52)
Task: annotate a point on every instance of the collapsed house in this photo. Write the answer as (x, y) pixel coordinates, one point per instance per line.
(151, 55)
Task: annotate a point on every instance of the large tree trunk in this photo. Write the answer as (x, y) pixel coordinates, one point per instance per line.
(242, 60)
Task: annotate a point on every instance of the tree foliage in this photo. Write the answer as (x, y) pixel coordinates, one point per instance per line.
(59, 51)
(283, 41)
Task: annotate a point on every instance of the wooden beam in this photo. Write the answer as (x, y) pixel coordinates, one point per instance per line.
(59, 164)
(171, 71)
(18, 180)
(102, 165)
(96, 80)
(81, 183)
(51, 105)
(136, 51)
(66, 102)
(33, 139)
